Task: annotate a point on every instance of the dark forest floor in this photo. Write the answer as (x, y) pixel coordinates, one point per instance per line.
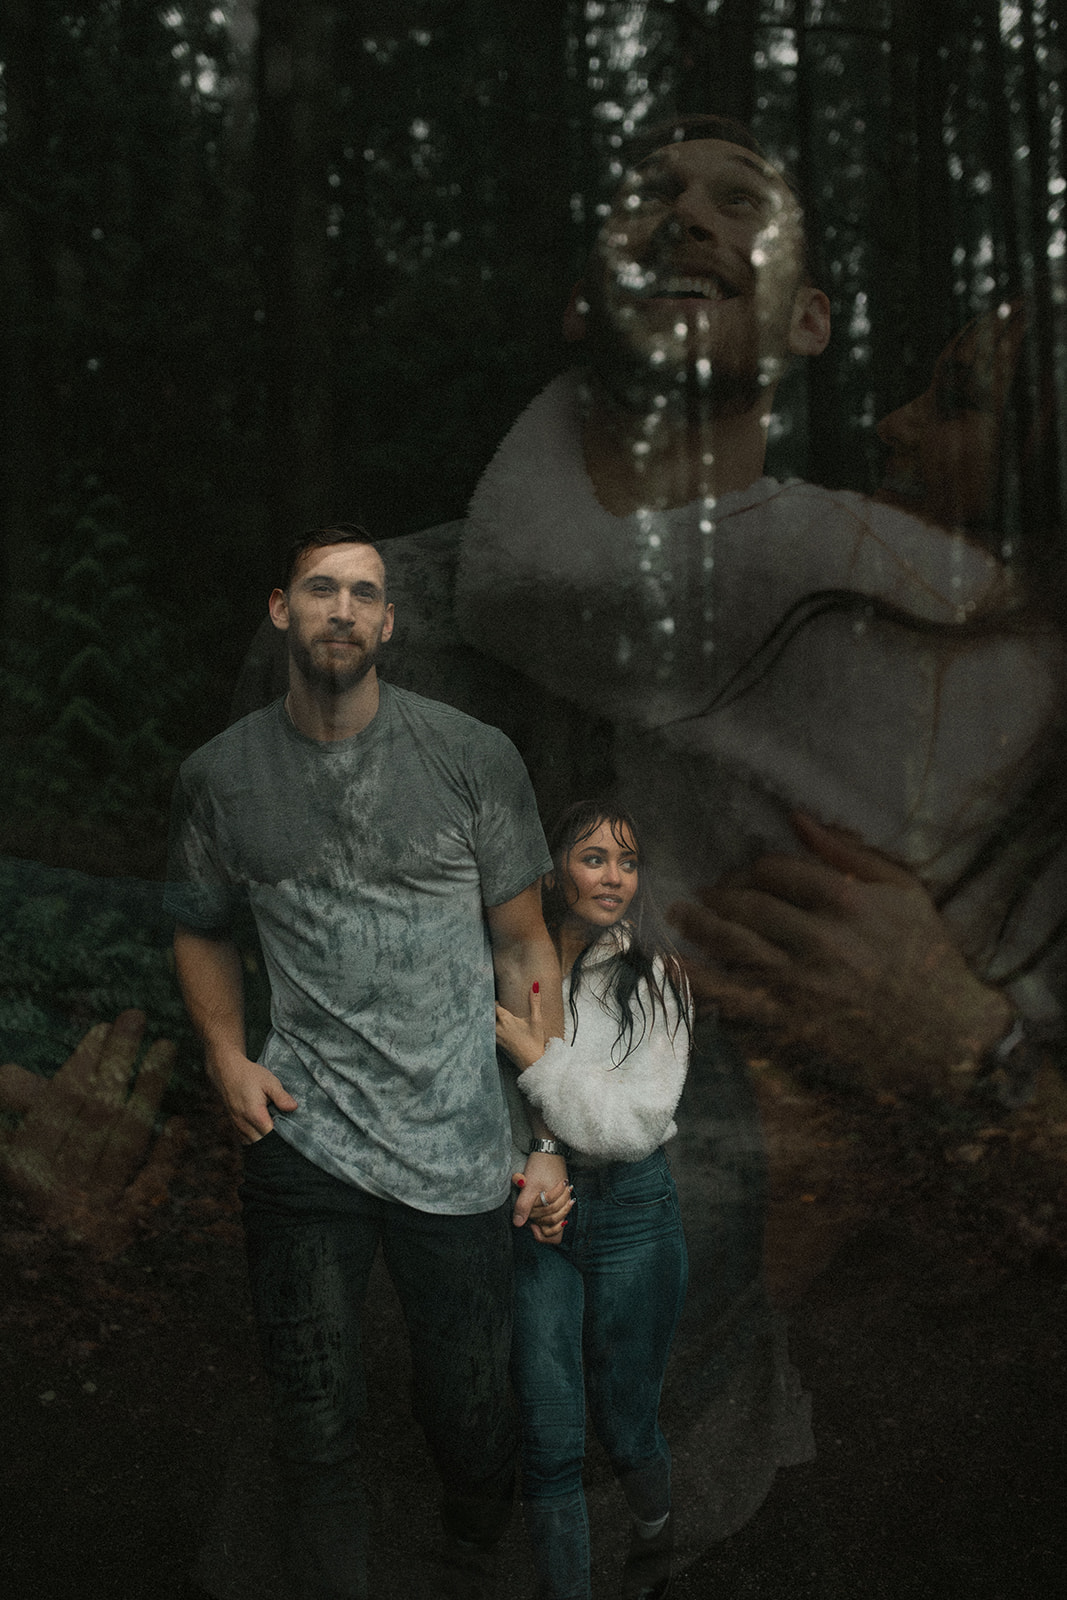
(924, 1267)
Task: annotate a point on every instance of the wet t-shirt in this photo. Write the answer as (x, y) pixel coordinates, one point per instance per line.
(367, 862)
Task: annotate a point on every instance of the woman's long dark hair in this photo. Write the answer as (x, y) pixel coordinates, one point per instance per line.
(649, 942)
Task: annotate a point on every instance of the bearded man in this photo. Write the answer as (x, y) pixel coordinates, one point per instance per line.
(390, 850)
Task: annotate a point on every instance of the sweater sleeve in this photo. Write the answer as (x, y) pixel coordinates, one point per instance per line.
(612, 1112)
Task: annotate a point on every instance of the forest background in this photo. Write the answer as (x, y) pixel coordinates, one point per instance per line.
(269, 264)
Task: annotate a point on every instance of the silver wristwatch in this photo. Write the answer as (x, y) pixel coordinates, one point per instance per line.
(546, 1147)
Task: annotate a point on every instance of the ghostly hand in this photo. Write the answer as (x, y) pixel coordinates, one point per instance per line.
(844, 958)
(86, 1132)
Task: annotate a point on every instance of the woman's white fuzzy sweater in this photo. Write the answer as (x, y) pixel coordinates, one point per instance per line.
(604, 1108)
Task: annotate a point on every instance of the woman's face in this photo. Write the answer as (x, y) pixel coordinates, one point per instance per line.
(945, 445)
(601, 876)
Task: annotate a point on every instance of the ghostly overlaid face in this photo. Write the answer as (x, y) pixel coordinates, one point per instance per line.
(945, 445)
(701, 261)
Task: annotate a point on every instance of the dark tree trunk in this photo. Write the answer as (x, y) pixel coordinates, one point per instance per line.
(296, 86)
(717, 69)
(27, 283)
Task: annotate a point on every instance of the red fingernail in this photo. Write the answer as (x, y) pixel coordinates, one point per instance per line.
(520, 1183)
(536, 987)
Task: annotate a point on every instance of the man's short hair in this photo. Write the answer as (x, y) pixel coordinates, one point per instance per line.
(316, 538)
(709, 125)
(692, 125)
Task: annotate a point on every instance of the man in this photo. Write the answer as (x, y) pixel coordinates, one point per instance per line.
(383, 841)
(769, 654)
(634, 602)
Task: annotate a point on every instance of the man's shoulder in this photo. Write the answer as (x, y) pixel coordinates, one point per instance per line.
(232, 745)
(421, 580)
(422, 565)
(427, 654)
(425, 715)
(885, 550)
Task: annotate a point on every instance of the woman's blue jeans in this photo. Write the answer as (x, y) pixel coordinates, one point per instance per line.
(311, 1242)
(595, 1316)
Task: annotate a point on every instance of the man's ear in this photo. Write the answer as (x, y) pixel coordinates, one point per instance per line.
(809, 328)
(574, 316)
(278, 606)
(387, 625)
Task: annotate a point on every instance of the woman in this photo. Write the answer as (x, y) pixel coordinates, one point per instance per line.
(608, 1282)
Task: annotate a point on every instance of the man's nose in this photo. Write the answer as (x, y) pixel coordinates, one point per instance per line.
(694, 216)
(343, 608)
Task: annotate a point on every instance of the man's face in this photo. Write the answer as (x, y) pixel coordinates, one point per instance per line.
(698, 267)
(335, 615)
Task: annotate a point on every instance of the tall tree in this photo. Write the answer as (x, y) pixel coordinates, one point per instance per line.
(27, 289)
(297, 88)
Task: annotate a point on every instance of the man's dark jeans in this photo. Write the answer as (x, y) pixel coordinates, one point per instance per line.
(311, 1241)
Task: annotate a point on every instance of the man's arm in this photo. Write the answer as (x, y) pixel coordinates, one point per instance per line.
(846, 957)
(523, 954)
(209, 972)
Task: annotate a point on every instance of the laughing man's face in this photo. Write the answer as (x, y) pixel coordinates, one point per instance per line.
(698, 267)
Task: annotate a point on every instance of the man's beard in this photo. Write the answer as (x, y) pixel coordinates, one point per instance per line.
(331, 679)
(622, 361)
(707, 373)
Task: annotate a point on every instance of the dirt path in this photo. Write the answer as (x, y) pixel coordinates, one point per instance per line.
(923, 1261)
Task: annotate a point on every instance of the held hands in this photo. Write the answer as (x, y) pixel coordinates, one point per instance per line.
(248, 1091)
(547, 1217)
(846, 958)
(544, 1194)
(523, 1038)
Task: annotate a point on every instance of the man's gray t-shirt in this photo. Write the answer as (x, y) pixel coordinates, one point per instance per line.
(367, 862)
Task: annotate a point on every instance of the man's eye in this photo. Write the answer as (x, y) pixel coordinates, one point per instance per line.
(651, 190)
(744, 198)
(641, 198)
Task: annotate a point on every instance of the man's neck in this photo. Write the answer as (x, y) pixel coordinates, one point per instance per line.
(677, 461)
(327, 717)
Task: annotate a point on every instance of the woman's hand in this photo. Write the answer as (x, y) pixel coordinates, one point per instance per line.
(547, 1216)
(523, 1038)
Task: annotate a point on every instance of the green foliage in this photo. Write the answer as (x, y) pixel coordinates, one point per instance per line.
(75, 950)
(92, 677)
